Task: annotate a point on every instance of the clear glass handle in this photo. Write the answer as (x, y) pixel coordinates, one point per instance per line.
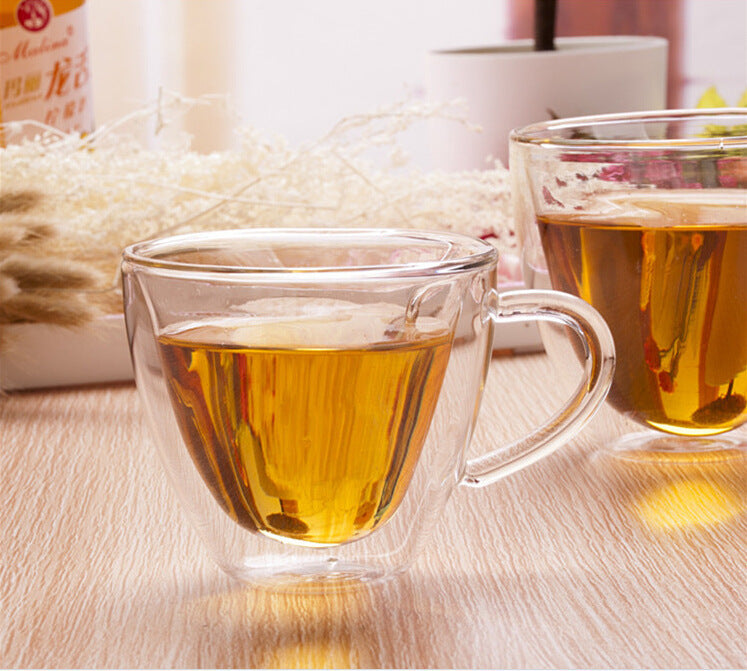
(598, 358)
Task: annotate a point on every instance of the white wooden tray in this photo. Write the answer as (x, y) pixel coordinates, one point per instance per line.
(41, 355)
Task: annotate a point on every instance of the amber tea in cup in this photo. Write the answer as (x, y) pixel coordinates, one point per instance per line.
(361, 408)
(683, 365)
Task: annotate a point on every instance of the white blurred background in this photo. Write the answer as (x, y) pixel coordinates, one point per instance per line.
(297, 66)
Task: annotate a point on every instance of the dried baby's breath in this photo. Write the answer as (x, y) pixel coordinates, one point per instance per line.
(81, 200)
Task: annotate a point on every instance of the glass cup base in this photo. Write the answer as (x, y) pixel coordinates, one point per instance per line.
(655, 447)
(320, 577)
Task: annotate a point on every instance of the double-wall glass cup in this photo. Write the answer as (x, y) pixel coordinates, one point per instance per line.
(312, 392)
(644, 216)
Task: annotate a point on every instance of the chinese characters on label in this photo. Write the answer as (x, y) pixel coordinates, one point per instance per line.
(46, 74)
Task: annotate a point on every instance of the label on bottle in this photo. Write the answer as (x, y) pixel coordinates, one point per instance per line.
(45, 73)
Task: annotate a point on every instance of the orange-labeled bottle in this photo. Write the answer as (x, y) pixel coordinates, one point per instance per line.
(45, 72)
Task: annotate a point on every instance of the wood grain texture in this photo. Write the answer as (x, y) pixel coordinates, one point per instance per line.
(583, 560)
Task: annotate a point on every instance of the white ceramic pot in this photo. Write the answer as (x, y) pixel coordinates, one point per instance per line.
(511, 85)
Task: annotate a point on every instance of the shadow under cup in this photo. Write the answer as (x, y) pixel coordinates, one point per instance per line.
(312, 392)
(644, 216)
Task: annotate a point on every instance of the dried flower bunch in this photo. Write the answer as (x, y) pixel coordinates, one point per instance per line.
(70, 204)
(33, 286)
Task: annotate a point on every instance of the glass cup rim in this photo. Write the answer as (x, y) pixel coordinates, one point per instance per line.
(145, 254)
(549, 134)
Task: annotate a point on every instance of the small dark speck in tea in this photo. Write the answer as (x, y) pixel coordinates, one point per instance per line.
(720, 411)
(286, 524)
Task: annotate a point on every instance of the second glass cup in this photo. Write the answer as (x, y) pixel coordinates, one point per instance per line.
(644, 215)
(312, 392)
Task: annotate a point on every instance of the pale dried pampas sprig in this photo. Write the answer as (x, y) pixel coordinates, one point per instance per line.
(68, 309)
(20, 233)
(8, 289)
(108, 190)
(18, 201)
(41, 272)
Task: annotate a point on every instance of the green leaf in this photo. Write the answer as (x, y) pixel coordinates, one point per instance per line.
(742, 102)
(711, 98)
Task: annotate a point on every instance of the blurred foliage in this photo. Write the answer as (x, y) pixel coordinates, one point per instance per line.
(712, 98)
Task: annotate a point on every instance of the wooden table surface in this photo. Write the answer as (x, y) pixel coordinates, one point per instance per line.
(583, 560)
